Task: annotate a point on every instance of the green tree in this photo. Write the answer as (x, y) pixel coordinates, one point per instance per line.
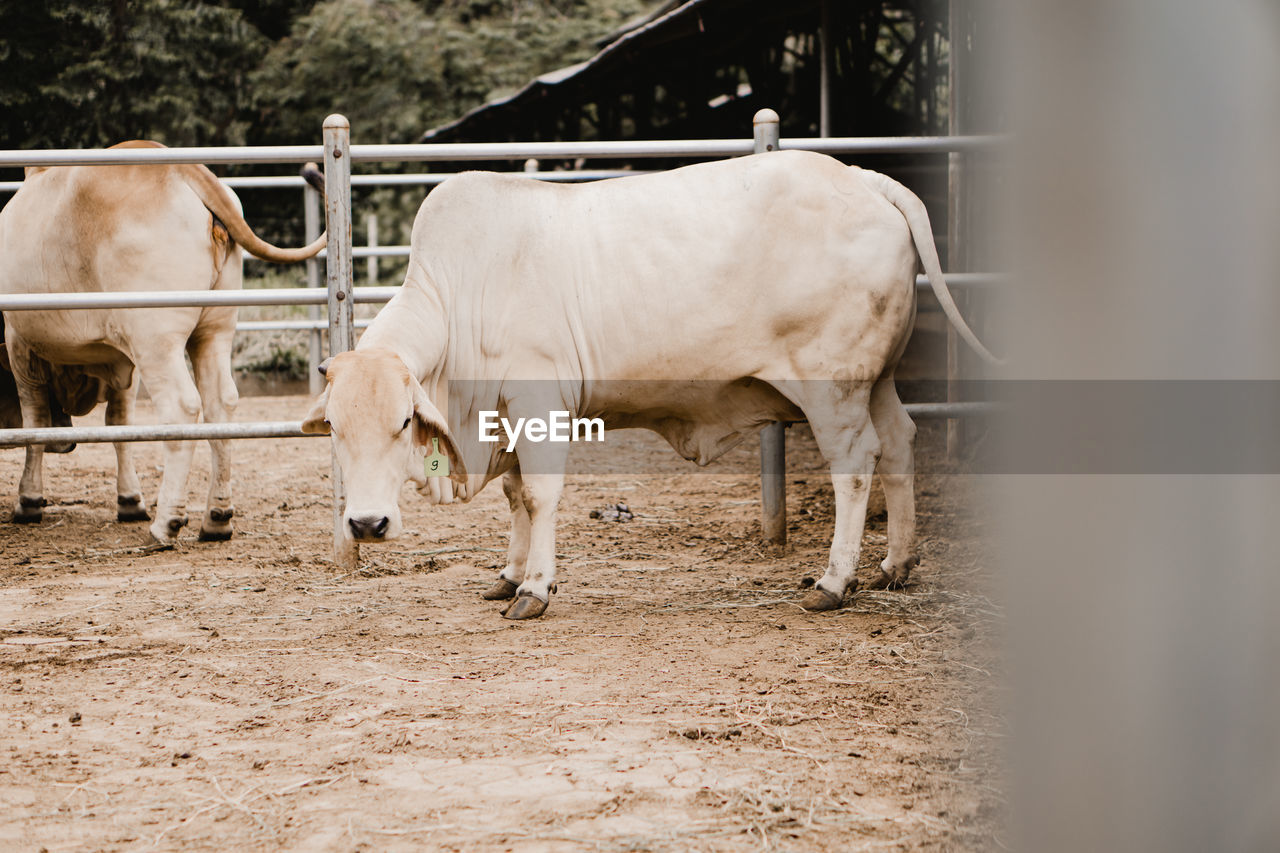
(396, 68)
(80, 74)
(371, 60)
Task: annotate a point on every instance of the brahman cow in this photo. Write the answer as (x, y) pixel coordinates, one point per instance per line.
(700, 303)
(125, 228)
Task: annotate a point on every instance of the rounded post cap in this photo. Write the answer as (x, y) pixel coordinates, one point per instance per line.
(765, 116)
(337, 121)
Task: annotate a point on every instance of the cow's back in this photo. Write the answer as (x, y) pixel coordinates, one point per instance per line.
(718, 270)
(98, 228)
(105, 229)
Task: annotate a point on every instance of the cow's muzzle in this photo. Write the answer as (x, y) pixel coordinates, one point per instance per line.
(369, 528)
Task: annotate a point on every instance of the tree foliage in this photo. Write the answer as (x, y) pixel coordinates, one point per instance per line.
(76, 74)
(85, 73)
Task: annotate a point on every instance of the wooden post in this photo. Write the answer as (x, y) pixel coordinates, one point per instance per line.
(773, 440)
(338, 277)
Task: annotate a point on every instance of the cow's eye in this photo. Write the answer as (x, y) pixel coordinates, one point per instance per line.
(404, 426)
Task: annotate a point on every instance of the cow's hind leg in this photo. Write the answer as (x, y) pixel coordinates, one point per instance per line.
(177, 402)
(518, 548)
(897, 475)
(211, 357)
(33, 397)
(844, 432)
(129, 503)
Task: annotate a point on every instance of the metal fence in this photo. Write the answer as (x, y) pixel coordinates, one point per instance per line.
(340, 296)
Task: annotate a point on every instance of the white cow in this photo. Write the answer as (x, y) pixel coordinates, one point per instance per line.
(114, 229)
(700, 303)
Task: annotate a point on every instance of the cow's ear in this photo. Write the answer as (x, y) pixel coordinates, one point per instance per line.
(428, 423)
(314, 423)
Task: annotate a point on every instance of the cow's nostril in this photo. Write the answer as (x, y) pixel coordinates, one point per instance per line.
(365, 529)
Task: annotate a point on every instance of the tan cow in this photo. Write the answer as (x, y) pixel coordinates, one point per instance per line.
(701, 303)
(114, 229)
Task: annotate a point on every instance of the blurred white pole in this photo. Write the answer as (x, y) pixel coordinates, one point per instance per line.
(1145, 609)
(826, 59)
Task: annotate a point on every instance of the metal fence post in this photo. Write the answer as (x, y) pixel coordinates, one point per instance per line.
(338, 277)
(773, 440)
(311, 214)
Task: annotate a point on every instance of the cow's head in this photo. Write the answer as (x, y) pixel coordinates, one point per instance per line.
(380, 420)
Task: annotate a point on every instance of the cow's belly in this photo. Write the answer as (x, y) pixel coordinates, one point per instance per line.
(702, 420)
(79, 344)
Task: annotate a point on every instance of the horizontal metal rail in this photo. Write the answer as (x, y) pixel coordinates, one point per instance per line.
(924, 411)
(290, 325)
(139, 156)
(280, 296)
(455, 151)
(293, 429)
(184, 298)
(893, 144)
(147, 432)
(417, 179)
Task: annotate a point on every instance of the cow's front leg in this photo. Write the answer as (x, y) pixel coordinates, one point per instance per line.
(518, 548)
(129, 503)
(541, 482)
(177, 402)
(540, 494)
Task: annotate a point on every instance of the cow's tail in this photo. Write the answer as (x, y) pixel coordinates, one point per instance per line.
(215, 197)
(913, 209)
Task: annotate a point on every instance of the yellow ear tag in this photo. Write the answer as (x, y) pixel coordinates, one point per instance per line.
(436, 464)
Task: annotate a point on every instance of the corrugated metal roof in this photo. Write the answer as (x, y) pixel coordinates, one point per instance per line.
(667, 16)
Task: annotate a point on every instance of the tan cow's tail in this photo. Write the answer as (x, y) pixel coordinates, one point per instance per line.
(210, 190)
(917, 217)
(215, 197)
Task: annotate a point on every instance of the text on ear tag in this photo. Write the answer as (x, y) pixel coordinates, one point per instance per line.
(436, 464)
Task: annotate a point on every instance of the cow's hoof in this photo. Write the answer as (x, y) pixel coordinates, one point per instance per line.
(130, 508)
(167, 531)
(894, 578)
(525, 607)
(217, 525)
(819, 599)
(29, 511)
(884, 580)
(501, 590)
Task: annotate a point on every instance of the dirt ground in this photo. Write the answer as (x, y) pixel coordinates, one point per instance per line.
(248, 696)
